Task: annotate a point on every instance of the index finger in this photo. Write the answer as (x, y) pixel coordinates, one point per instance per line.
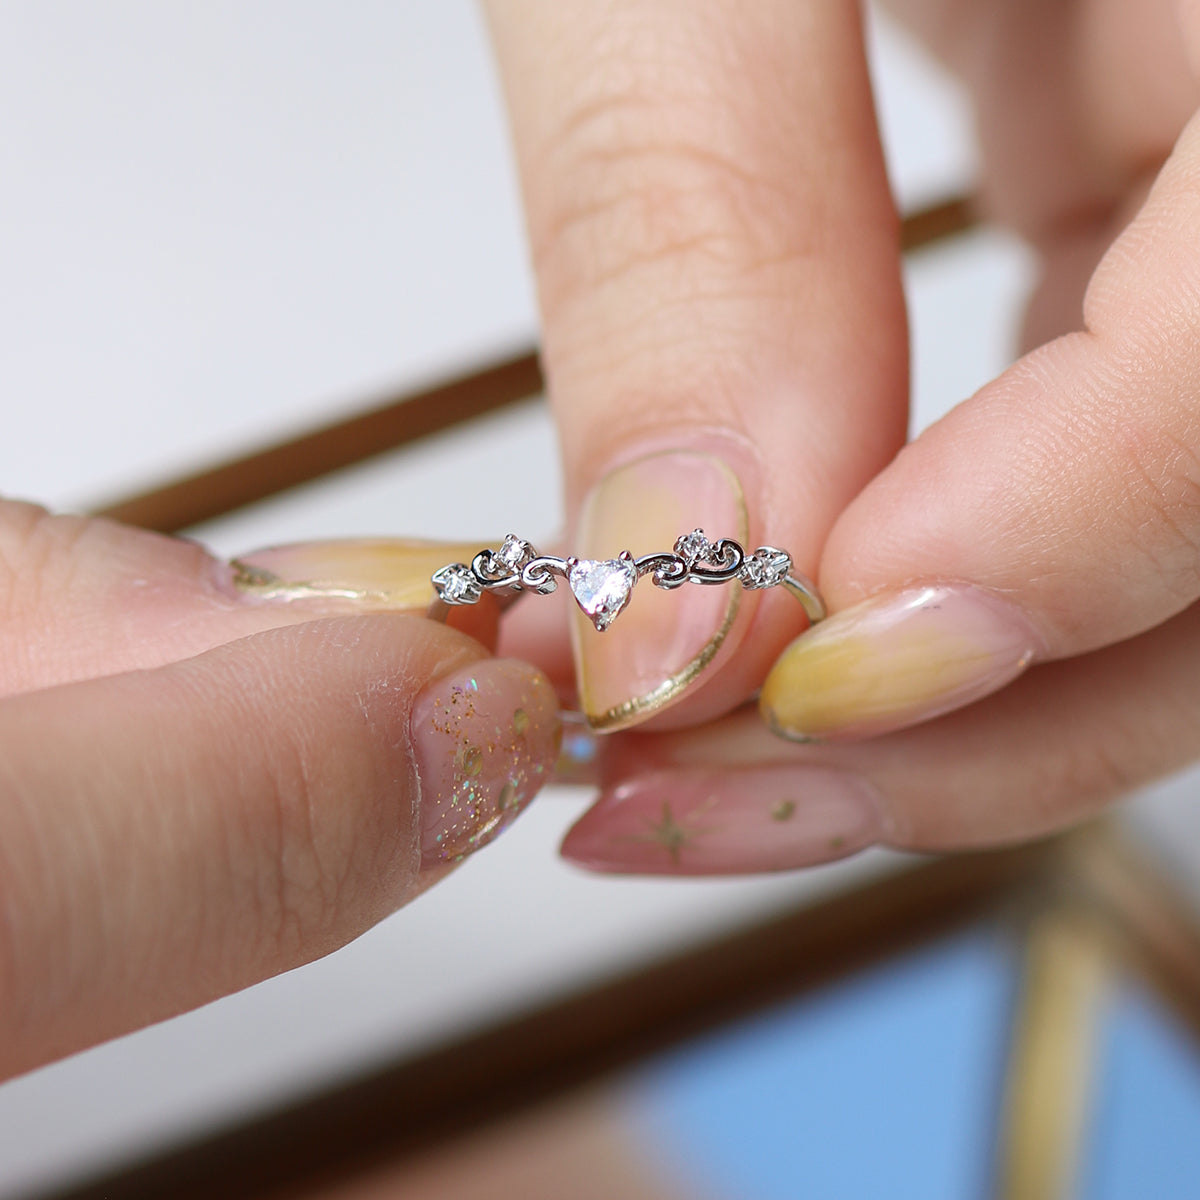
(717, 262)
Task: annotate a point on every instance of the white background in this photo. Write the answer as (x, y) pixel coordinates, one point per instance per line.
(219, 222)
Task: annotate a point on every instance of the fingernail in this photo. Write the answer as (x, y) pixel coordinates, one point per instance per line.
(894, 660)
(485, 740)
(727, 823)
(647, 659)
(380, 573)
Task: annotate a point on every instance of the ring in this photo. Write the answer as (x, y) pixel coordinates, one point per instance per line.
(603, 587)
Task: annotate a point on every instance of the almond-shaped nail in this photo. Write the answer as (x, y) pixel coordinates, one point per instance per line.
(485, 740)
(727, 822)
(894, 660)
(379, 573)
(664, 640)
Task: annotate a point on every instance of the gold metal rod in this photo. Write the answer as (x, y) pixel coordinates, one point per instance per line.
(1047, 1093)
(218, 490)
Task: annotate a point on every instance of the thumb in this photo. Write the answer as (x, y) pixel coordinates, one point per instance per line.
(171, 835)
(1054, 513)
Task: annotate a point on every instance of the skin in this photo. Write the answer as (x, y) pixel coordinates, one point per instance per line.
(741, 241)
(197, 789)
(712, 235)
(711, 228)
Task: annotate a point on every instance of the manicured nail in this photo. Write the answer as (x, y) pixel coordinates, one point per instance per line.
(664, 639)
(485, 740)
(727, 823)
(895, 660)
(378, 573)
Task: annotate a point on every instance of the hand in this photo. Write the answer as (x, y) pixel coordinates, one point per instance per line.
(202, 786)
(716, 251)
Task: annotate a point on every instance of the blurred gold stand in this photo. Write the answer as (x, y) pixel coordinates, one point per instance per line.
(1083, 906)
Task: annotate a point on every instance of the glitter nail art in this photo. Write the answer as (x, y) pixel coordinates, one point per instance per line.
(487, 743)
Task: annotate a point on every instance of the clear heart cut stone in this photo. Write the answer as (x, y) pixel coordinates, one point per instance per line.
(602, 587)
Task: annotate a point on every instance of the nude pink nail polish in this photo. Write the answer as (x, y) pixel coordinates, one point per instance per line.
(665, 640)
(702, 822)
(485, 740)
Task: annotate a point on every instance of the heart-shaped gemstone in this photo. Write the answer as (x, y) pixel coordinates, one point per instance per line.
(602, 587)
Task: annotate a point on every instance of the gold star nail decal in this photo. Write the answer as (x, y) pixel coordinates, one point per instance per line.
(672, 835)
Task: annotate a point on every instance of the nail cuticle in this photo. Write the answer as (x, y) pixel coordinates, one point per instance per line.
(733, 450)
(1009, 610)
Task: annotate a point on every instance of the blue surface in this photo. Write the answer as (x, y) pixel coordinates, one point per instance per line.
(883, 1086)
(1143, 1139)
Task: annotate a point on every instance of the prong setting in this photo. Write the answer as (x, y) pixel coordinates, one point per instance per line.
(456, 583)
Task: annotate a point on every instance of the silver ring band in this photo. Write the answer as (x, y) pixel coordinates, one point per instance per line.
(603, 587)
